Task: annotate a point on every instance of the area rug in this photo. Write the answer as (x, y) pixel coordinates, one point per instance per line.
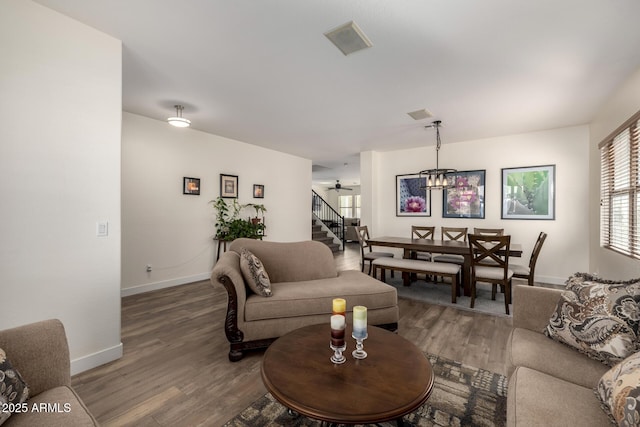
(462, 396)
(440, 294)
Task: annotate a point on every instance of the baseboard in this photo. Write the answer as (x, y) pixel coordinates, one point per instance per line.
(91, 361)
(560, 281)
(148, 287)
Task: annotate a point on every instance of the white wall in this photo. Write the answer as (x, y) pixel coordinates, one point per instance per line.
(60, 100)
(173, 232)
(566, 248)
(623, 104)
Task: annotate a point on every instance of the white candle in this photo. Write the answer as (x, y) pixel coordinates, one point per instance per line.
(359, 321)
(337, 322)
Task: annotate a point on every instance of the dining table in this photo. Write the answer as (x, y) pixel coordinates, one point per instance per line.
(453, 247)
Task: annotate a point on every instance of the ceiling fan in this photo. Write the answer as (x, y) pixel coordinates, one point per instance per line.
(339, 187)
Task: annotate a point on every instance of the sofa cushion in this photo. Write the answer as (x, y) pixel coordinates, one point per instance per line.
(292, 299)
(13, 389)
(537, 399)
(619, 390)
(56, 407)
(534, 350)
(598, 317)
(254, 273)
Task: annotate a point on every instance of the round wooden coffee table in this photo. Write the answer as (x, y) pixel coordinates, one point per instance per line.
(394, 380)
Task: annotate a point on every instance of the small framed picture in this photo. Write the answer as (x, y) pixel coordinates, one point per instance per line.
(191, 186)
(529, 192)
(412, 198)
(258, 191)
(229, 186)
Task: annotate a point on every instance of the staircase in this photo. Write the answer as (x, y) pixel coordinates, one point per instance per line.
(320, 235)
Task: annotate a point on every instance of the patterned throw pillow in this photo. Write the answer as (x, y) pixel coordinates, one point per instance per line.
(619, 391)
(598, 317)
(254, 273)
(13, 390)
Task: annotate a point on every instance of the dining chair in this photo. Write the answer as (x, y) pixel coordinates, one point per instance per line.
(524, 272)
(452, 233)
(490, 266)
(422, 232)
(365, 248)
(489, 231)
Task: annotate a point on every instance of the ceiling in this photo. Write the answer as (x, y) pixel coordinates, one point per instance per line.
(262, 71)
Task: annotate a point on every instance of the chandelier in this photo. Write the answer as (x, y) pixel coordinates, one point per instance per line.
(438, 178)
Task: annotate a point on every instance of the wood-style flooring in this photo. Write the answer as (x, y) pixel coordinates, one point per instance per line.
(175, 370)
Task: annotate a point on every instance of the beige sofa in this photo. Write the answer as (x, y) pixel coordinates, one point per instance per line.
(39, 351)
(304, 281)
(550, 383)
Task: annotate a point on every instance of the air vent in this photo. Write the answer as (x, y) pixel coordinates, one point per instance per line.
(420, 114)
(348, 38)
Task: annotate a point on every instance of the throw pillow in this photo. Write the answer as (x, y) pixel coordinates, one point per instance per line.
(13, 390)
(254, 273)
(619, 391)
(598, 317)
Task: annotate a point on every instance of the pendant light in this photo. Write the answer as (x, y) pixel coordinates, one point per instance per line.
(178, 120)
(438, 178)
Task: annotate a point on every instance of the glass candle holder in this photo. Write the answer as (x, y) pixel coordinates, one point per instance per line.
(359, 352)
(338, 325)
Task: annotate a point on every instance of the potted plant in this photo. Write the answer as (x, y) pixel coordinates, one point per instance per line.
(230, 226)
(260, 209)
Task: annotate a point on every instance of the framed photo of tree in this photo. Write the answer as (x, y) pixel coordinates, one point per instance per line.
(529, 192)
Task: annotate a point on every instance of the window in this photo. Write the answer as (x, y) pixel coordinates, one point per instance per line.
(620, 189)
(349, 206)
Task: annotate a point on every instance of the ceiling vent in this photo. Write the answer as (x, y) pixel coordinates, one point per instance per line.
(348, 38)
(420, 114)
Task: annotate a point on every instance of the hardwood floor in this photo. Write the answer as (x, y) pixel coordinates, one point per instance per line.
(175, 370)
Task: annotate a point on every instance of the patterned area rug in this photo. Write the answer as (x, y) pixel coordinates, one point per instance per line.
(462, 396)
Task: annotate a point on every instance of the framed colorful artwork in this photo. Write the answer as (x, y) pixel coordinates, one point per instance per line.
(412, 198)
(466, 198)
(191, 186)
(529, 192)
(258, 191)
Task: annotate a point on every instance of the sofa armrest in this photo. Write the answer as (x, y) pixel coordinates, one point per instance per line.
(533, 306)
(227, 273)
(40, 352)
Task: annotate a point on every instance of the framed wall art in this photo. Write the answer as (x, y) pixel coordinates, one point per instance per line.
(258, 191)
(191, 186)
(411, 199)
(229, 186)
(466, 198)
(528, 192)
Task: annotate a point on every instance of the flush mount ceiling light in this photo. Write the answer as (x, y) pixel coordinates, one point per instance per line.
(420, 114)
(178, 120)
(438, 178)
(348, 38)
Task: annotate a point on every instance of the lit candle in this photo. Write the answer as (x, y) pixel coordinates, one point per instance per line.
(339, 306)
(338, 325)
(359, 321)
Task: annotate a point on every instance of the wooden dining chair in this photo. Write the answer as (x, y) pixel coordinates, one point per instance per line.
(366, 251)
(489, 231)
(490, 264)
(422, 232)
(452, 233)
(527, 272)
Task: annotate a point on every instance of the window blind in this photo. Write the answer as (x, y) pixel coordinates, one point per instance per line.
(620, 189)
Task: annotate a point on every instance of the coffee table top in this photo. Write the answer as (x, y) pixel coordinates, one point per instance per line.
(394, 380)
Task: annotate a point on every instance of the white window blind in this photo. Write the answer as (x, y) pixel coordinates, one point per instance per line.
(620, 189)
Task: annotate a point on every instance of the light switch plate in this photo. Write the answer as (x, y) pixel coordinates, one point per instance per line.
(102, 229)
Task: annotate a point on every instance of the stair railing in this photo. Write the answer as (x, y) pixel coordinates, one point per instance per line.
(329, 216)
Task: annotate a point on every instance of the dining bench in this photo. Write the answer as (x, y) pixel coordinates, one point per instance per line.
(414, 266)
